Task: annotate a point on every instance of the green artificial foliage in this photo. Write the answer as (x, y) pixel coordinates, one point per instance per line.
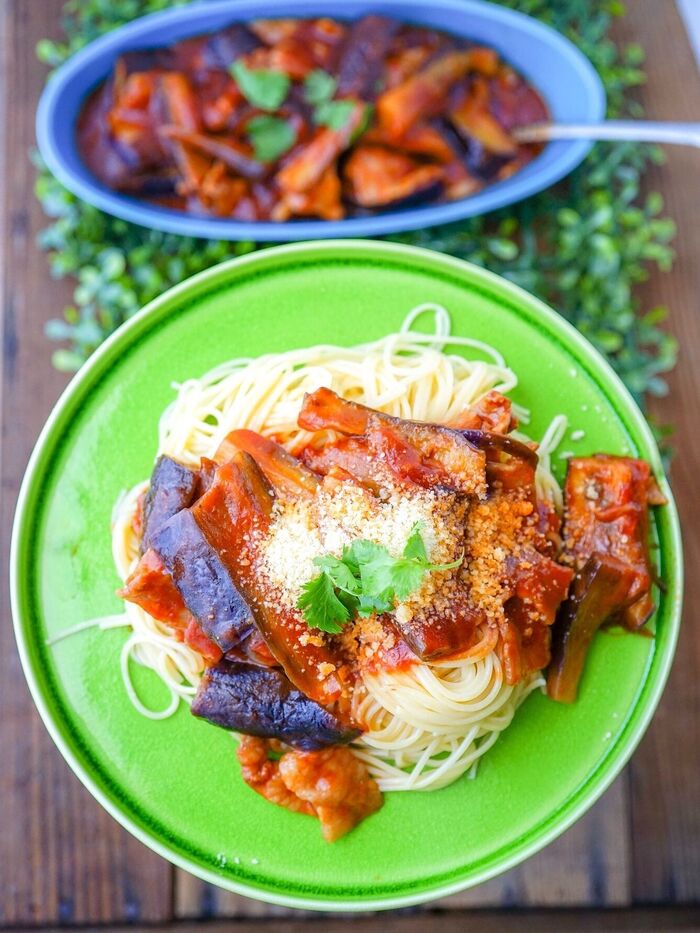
(581, 246)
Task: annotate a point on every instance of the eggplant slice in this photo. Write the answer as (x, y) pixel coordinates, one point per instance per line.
(205, 584)
(173, 487)
(262, 701)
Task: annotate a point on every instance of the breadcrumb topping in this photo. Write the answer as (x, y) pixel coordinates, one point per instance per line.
(491, 536)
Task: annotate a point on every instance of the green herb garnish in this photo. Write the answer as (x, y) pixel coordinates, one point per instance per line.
(365, 580)
(261, 88)
(322, 607)
(271, 137)
(334, 114)
(319, 86)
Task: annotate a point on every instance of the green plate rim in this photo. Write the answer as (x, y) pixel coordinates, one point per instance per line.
(621, 402)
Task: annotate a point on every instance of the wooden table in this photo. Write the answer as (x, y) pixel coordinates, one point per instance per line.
(633, 862)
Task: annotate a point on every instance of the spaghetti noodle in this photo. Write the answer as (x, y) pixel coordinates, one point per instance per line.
(426, 725)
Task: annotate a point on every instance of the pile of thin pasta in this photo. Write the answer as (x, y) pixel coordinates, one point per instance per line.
(427, 724)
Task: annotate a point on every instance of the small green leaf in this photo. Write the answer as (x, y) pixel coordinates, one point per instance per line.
(66, 361)
(319, 86)
(377, 575)
(271, 137)
(321, 607)
(360, 552)
(364, 123)
(407, 576)
(339, 572)
(335, 114)
(415, 546)
(371, 605)
(261, 88)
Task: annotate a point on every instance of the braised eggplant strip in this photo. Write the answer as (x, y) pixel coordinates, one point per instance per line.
(606, 541)
(203, 581)
(172, 488)
(221, 50)
(282, 469)
(234, 511)
(435, 635)
(290, 118)
(426, 454)
(607, 503)
(501, 443)
(361, 62)
(261, 701)
(598, 592)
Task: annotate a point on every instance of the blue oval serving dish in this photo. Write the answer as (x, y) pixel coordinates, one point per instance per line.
(565, 78)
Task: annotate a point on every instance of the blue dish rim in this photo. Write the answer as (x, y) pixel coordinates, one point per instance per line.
(143, 214)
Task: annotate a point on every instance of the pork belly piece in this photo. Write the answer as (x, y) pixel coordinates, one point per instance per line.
(262, 701)
(362, 60)
(152, 588)
(205, 584)
(491, 413)
(322, 200)
(336, 784)
(173, 487)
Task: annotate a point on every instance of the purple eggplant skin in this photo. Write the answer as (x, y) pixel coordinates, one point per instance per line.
(362, 58)
(146, 60)
(206, 586)
(173, 487)
(223, 48)
(485, 440)
(261, 701)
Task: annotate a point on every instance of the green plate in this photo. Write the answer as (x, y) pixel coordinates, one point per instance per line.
(175, 784)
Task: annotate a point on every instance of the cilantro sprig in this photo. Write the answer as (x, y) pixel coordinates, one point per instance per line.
(365, 580)
(270, 136)
(319, 88)
(261, 87)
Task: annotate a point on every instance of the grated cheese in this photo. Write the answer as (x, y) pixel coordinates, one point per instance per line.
(304, 529)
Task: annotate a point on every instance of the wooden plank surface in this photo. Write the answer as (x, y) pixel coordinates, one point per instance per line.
(655, 920)
(665, 771)
(63, 860)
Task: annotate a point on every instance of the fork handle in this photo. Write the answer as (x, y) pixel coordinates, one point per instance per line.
(643, 131)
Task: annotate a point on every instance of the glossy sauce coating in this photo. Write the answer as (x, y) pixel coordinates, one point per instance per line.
(371, 115)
